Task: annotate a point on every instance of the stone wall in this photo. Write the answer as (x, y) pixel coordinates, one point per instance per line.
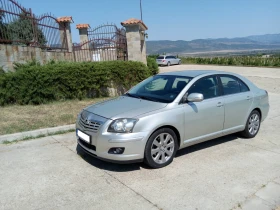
(13, 53)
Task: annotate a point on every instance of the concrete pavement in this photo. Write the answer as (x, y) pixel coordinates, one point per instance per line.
(225, 173)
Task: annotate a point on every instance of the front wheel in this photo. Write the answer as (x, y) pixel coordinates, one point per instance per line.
(179, 62)
(252, 125)
(161, 148)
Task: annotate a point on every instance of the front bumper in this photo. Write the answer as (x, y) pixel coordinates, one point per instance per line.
(110, 160)
(102, 141)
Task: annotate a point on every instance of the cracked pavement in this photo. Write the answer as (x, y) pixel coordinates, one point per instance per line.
(225, 173)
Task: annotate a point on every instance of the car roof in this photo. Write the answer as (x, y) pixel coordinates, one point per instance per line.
(193, 73)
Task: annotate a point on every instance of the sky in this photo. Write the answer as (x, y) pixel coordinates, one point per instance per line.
(171, 19)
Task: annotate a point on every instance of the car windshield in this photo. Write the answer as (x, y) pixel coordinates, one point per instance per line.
(159, 88)
(160, 57)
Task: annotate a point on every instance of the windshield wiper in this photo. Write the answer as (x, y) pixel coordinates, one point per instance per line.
(149, 98)
(142, 97)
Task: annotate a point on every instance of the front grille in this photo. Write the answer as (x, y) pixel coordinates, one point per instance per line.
(89, 124)
(85, 144)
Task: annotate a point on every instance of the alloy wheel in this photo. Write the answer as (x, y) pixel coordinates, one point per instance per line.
(254, 124)
(162, 148)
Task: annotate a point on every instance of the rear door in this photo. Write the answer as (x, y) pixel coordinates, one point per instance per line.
(168, 59)
(172, 60)
(238, 99)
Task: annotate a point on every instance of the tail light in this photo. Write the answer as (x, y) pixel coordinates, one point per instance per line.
(163, 60)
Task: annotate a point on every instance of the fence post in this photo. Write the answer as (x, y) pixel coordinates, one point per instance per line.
(65, 32)
(83, 32)
(136, 44)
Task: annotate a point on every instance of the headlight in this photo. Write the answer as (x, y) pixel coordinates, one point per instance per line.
(124, 125)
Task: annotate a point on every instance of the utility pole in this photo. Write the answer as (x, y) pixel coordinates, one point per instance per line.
(141, 8)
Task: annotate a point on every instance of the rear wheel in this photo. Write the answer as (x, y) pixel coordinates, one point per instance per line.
(161, 148)
(252, 125)
(168, 64)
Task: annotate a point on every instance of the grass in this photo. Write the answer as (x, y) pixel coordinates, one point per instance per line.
(17, 118)
(39, 136)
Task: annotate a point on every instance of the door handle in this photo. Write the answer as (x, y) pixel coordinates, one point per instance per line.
(219, 104)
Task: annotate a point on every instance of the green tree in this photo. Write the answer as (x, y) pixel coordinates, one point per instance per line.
(24, 29)
(4, 35)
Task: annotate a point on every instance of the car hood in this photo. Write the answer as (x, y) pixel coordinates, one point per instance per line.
(124, 106)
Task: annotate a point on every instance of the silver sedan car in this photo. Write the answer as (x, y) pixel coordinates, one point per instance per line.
(168, 60)
(171, 111)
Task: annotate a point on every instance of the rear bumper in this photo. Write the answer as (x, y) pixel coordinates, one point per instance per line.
(265, 110)
(162, 63)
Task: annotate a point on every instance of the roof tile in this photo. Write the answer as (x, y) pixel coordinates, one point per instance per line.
(133, 21)
(80, 26)
(65, 19)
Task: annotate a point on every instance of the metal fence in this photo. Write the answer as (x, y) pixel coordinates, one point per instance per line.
(19, 26)
(106, 42)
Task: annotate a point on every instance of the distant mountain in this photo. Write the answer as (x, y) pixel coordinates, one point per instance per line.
(268, 38)
(268, 41)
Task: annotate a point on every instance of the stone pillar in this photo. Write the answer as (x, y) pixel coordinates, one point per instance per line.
(65, 30)
(135, 35)
(83, 32)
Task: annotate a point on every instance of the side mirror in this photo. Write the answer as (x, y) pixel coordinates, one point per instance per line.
(195, 97)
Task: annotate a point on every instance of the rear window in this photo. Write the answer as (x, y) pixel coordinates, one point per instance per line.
(160, 57)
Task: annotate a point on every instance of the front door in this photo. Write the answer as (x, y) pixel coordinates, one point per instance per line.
(206, 118)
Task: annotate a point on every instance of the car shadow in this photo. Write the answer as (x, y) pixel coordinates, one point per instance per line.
(114, 167)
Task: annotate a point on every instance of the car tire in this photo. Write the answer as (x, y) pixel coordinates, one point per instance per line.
(253, 125)
(179, 63)
(168, 64)
(161, 148)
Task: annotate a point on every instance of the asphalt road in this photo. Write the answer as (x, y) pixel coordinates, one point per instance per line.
(225, 173)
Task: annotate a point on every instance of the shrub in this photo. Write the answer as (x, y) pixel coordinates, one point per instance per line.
(2, 70)
(235, 61)
(37, 84)
(154, 56)
(20, 66)
(152, 65)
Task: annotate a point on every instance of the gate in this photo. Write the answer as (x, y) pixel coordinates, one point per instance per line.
(19, 26)
(105, 42)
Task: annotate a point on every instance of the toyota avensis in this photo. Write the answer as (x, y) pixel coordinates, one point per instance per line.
(170, 111)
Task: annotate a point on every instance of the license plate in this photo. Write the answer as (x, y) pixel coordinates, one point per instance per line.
(83, 136)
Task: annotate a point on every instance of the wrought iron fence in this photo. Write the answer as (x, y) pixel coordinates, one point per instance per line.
(20, 26)
(106, 42)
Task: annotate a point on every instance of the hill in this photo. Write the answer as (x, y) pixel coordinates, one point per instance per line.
(260, 42)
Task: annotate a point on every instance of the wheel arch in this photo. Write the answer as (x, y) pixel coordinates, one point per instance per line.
(259, 110)
(172, 128)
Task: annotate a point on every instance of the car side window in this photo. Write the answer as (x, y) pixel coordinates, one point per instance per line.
(233, 85)
(167, 57)
(208, 86)
(230, 85)
(243, 86)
